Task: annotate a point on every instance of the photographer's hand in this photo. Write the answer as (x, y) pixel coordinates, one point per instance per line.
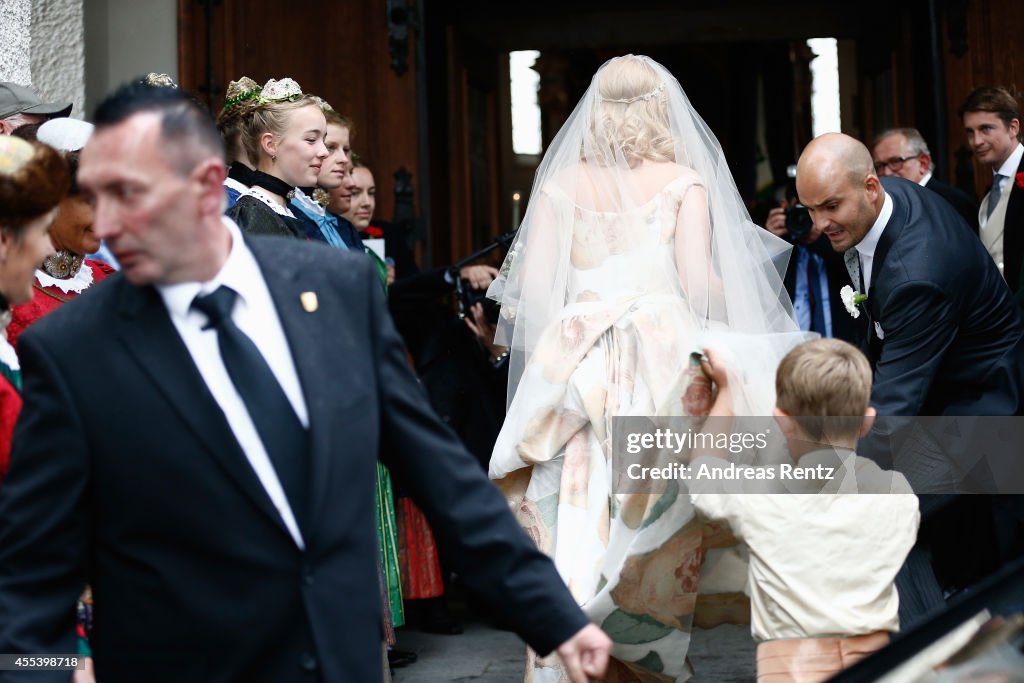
(480, 277)
(817, 229)
(776, 222)
(478, 324)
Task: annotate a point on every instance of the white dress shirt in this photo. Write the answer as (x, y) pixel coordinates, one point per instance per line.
(1006, 172)
(256, 316)
(866, 247)
(923, 182)
(821, 564)
(1010, 166)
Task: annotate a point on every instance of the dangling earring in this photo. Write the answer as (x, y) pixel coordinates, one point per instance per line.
(273, 159)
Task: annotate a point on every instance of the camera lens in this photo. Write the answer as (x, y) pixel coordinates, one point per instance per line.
(798, 222)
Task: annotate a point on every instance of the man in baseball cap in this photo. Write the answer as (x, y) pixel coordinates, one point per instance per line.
(20, 106)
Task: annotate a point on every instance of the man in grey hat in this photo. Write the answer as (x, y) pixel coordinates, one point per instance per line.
(21, 106)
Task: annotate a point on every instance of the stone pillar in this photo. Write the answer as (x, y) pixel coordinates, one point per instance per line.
(15, 41)
(42, 46)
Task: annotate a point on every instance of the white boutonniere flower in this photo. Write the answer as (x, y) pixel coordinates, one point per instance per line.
(851, 299)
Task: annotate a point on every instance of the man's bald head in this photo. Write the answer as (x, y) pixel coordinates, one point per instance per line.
(835, 153)
(836, 181)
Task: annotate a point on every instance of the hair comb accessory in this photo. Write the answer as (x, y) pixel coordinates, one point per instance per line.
(284, 90)
(239, 91)
(645, 97)
(14, 154)
(159, 80)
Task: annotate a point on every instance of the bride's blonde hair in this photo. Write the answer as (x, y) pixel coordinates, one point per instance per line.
(631, 115)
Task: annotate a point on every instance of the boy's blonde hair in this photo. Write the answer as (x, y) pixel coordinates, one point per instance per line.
(826, 385)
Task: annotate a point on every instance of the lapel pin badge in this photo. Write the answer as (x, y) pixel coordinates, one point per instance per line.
(309, 302)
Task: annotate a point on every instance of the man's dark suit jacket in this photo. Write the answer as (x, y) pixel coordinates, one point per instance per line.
(953, 345)
(844, 325)
(954, 336)
(961, 201)
(125, 474)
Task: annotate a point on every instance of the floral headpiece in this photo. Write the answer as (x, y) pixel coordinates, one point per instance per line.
(14, 154)
(645, 97)
(159, 80)
(284, 90)
(239, 91)
(324, 105)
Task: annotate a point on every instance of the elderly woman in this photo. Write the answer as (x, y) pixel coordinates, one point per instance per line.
(66, 273)
(33, 180)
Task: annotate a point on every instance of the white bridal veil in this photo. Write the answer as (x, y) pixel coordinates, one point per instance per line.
(633, 133)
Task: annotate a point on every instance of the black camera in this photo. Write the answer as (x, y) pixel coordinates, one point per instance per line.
(469, 297)
(798, 222)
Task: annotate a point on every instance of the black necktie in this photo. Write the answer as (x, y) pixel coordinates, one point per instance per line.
(283, 436)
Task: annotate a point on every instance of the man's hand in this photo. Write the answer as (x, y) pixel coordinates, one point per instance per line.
(585, 655)
(480, 277)
(776, 222)
(86, 675)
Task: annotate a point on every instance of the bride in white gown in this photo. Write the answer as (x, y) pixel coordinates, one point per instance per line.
(635, 251)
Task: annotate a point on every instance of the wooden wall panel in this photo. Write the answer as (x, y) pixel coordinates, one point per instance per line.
(338, 50)
(456, 240)
(995, 56)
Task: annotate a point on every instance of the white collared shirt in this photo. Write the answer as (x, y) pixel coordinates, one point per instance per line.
(1010, 166)
(866, 247)
(821, 564)
(923, 182)
(256, 316)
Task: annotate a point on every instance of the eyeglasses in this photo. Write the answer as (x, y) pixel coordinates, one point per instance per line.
(894, 164)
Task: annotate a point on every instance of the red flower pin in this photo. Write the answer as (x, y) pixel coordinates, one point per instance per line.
(1020, 179)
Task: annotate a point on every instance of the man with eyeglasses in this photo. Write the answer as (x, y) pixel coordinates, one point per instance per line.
(903, 152)
(991, 118)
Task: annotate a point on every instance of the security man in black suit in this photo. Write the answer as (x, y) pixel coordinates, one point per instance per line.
(199, 439)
